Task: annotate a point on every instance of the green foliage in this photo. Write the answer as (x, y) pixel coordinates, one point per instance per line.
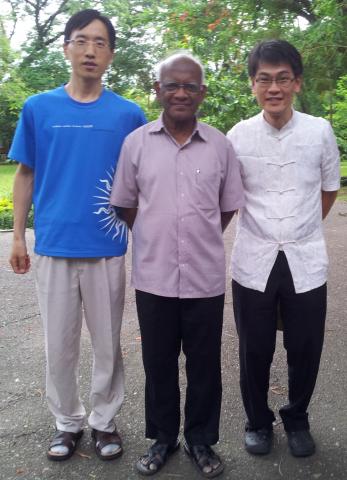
(47, 71)
(12, 91)
(211, 31)
(339, 116)
(220, 32)
(6, 55)
(7, 172)
(228, 100)
(6, 205)
(6, 214)
(146, 101)
(137, 48)
(6, 219)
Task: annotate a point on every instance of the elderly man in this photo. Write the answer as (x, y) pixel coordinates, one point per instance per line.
(178, 185)
(290, 170)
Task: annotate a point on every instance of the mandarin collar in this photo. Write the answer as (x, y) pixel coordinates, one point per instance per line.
(284, 131)
(158, 126)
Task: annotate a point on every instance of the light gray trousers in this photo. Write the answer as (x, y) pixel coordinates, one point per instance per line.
(67, 288)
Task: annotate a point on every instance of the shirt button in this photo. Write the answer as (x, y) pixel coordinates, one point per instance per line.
(181, 173)
(182, 219)
(182, 194)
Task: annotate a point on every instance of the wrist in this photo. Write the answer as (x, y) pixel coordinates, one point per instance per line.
(19, 237)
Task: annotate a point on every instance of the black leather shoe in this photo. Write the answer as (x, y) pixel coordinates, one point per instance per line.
(301, 443)
(258, 442)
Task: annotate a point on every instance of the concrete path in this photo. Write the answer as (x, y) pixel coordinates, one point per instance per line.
(26, 425)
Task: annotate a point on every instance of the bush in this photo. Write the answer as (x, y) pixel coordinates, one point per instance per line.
(6, 220)
(6, 215)
(6, 205)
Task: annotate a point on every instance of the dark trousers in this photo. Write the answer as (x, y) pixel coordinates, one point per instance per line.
(166, 325)
(303, 317)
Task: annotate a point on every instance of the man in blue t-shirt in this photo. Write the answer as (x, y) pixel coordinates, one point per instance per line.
(67, 144)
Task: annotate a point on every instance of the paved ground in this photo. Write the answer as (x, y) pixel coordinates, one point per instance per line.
(26, 425)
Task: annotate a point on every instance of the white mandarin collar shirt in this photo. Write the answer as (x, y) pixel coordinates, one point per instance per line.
(283, 173)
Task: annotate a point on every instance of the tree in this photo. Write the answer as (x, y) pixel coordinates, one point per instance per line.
(138, 45)
(13, 90)
(339, 115)
(220, 32)
(323, 46)
(47, 17)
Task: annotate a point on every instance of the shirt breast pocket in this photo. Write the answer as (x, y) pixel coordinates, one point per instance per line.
(206, 188)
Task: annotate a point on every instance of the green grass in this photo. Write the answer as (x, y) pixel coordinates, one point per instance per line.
(342, 195)
(343, 169)
(6, 179)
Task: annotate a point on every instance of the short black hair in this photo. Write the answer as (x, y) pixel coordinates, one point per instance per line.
(83, 18)
(274, 52)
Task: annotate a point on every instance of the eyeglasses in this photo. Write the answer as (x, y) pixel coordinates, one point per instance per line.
(81, 43)
(173, 87)
(266, 82)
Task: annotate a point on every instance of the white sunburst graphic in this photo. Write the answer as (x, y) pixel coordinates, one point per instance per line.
(109, 220)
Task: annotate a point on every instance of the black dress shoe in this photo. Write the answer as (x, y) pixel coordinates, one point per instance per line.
(301, 443)
(258, 442)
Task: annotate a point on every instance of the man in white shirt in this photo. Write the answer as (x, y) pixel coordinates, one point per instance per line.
(290, 170)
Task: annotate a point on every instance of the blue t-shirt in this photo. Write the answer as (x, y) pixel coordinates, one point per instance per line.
(73, 148)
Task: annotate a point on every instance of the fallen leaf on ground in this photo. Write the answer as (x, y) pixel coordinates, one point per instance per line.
(278, 390)
(83, 455)
(39, 392)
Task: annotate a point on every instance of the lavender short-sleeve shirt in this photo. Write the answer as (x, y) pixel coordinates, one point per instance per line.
(180, 192)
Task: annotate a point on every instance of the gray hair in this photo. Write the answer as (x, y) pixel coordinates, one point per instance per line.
(181, 54)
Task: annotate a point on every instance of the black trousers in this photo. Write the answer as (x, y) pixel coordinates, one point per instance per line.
(303, 317)
(195, 325)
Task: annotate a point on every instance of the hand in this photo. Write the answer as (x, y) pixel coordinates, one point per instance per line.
(19, 260)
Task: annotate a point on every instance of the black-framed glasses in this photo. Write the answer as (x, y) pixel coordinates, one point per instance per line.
(266, 82)
(82, 43)
(173, 87)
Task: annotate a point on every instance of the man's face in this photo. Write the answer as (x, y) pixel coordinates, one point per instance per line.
(179, 102)
(89, 52)
(274, 87)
